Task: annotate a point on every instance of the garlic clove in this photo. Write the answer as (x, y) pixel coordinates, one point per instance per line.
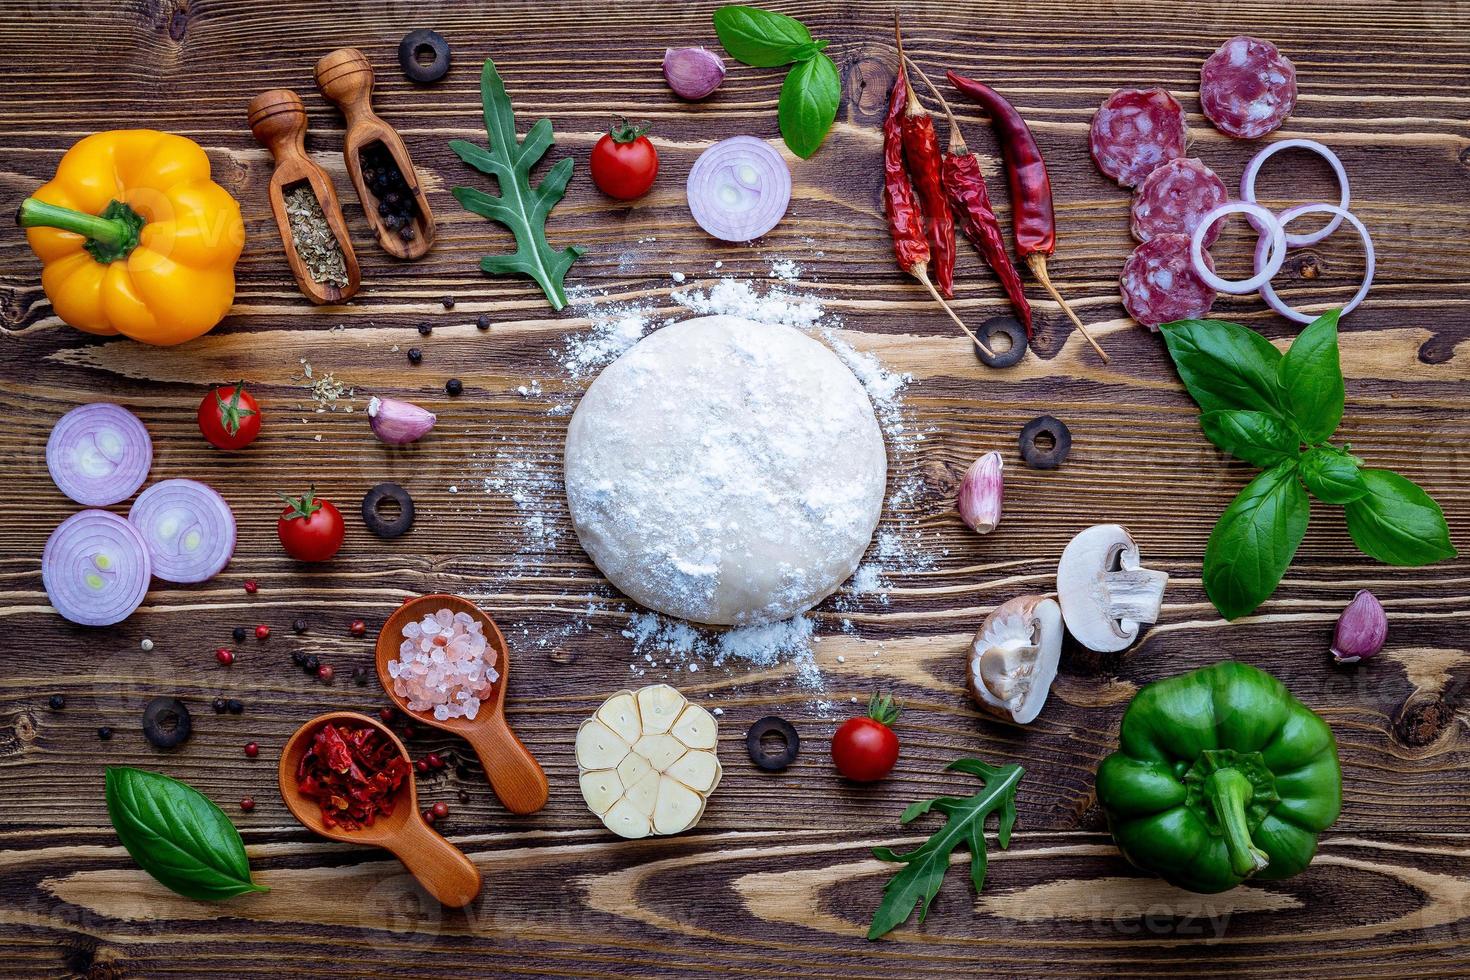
(398, 423)
(1361, 629)
(980, 493)
(693, 73)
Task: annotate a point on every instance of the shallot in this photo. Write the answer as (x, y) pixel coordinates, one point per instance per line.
(693, 73)
(398, 422)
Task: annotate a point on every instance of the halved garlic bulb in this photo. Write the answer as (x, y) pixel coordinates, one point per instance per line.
(647, 761)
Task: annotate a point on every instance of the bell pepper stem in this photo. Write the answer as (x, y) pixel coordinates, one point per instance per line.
(111, 232)
(1229, 792)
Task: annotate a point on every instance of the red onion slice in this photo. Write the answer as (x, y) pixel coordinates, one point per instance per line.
(99, 454)
(739, 189)
(1340, 215)
(95, 568)
(1272, 260)
(188, 527)
(1253, 169)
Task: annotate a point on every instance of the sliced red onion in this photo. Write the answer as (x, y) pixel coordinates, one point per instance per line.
(189, 530)
(1369, 259)
(1252, 169)
(99, 454)
(1273, 258)
(739, 189)
(95, 568)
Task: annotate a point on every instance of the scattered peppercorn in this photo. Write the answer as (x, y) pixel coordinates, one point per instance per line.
(434, 761)
(56, 702)
(235, 706)
(220, 704)
(386, 714)
(299, 659)
(483, 321)
(359, 675)
(454, 386)
(250, 587)
(440, 810)
(421, 766)
(326, 673)
(313, 664)
(225, 657)
(462, 771)
(262, 632)
(251, 750)
(409, 731)
(425, 329)
(104, 733)
(429, 817)
(247, 803)
(299, 626)
(239, 633)
(357, 627)
(147, 644)
(448, 302)
(415, 355)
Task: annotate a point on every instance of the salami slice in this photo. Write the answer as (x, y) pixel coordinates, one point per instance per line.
(1247, 88)
(1159, 285)
(1134, 131)
(1173, 199)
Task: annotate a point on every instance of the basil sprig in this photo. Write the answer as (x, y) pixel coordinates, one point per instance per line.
(1278, 412)
(813, 88)
(178, 835)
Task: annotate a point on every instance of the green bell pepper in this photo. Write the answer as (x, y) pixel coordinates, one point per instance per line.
(1221, 775)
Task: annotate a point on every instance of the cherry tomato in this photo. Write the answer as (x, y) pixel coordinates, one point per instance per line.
(624, 162)
(229, 417)
(310, 529)
(865, 749)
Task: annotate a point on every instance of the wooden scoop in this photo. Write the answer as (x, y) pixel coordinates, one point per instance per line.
(439, 866)
(514, 773)
(345, 77)
(278, 120)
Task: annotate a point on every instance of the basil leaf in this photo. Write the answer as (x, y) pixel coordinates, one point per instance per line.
(1225, 365)
(760, 38)
(1255, 540)
(1397, 522)
(805, 52)
(1311, 375)
(178, 835)
(1255, 437)
(1332, 475)
(809, 99)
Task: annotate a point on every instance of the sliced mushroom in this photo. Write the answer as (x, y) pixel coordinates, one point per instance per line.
(1013, 658)
(1105, 593)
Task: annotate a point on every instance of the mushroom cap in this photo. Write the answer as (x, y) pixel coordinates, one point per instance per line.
(1013, 658)
(1103, 608)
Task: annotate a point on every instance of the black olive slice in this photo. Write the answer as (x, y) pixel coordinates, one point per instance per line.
(423, 41)
(1045, 442)
(372, 510)
(166, 723)
(1008, 353)
(782, 731)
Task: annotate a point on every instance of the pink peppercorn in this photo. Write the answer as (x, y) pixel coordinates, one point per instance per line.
(252, 750)
(250, 588)
(225, 657)
(247, 804)
(325, 672)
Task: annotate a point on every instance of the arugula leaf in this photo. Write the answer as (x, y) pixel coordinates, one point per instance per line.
(1256, 437)
(916, 884)
(1332, 475)
(762, 38)
(518, 206)
(809, 99)
(1311, 377)
(1226, 366)
(178, 835)
(1255, 540)
(1397, 522)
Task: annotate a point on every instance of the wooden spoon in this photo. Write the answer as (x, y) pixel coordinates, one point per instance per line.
(346, 77)
(513, 771)
(439, 866)
(278, 120)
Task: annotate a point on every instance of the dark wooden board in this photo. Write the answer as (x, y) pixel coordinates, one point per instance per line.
(777, 878)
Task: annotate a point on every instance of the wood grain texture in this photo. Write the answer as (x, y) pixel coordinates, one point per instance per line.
(777, 879)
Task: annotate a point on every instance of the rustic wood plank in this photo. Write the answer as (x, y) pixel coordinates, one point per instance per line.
(777, 878)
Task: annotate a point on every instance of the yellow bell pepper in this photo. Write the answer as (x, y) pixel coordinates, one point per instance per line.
(134, 237)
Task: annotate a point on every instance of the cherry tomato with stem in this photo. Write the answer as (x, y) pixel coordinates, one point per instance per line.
(229, 417)
(310, 529)
(865, 749)
(624, 162)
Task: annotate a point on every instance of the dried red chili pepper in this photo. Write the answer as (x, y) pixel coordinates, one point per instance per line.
(905, 224)
(353, 773)
(964, 184)
(921, 150)
(1032, 217)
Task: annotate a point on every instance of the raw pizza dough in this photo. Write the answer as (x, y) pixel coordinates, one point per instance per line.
(725, 471)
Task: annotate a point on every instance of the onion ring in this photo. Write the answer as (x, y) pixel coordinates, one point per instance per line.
(1252, 169)
(99, 454)
(95, 568)
(1369, 259)
(739, 189)
(1273, 259)
(188, 527)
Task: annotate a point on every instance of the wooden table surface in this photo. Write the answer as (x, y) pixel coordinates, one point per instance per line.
(778, 877)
